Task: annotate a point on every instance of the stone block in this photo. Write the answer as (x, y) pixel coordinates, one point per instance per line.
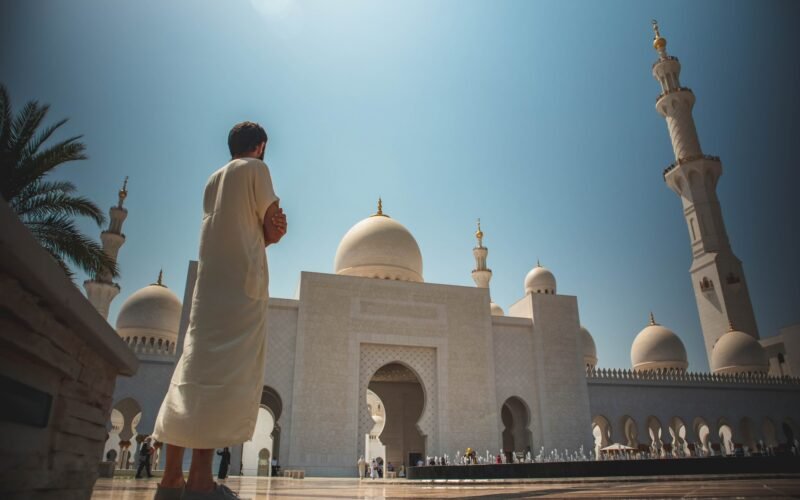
(82, 428)
(65, 359)
(68, 461)
(79, 409)
(21, 462)
(37, 346)
(27, 308)
(77, 444)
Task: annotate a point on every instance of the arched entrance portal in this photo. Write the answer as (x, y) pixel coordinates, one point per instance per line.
(516, 419)
(400, 391)
(252, 450)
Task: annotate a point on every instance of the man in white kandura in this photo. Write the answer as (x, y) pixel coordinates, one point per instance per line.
(213, 398)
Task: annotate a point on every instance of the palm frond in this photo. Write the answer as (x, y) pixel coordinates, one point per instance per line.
(25, 124)
(47, 207)
(33, 168)
(41, 187)
(6, 157)
(57, 203)
(58, 234)
(36, 142)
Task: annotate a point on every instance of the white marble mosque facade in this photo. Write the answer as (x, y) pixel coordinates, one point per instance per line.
(453, 371)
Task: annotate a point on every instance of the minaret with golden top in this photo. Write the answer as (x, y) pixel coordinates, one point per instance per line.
(717, 274)
(101, 290)
(481, 275)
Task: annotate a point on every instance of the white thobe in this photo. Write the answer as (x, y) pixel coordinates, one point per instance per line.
(213, 398)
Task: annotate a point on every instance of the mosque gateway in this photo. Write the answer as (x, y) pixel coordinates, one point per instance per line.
(372, 361)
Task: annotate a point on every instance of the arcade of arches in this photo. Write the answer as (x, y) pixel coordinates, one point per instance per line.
(700, 435)
(124, 441)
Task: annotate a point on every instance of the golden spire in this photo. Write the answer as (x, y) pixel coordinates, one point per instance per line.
(659, 43)
(652, 319)
(538, 264)
(380, 213)
(123, 193)
(730, 325)
(160, 279)
(479, 235)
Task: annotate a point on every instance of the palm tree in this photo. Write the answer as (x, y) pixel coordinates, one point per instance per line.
(47, 208)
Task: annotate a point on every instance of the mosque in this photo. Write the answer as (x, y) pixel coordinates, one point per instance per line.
(371, 360)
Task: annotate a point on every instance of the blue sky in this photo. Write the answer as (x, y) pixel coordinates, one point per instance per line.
(537, 117)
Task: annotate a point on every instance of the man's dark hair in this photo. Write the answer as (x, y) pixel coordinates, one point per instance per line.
(245, 137)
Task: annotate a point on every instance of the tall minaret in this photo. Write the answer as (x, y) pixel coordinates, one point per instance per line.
(481, 275)
(717, 275)
(101, 290)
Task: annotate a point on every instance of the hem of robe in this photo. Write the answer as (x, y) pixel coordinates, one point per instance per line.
(188, 439)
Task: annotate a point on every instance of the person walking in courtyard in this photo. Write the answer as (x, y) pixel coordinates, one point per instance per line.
(361, 467)
(145, 459)
(224, 462)
(213, 398)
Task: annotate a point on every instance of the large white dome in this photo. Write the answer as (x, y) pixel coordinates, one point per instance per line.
(588, 347)
(738, 352)
(153, 312)
(540, 280)
(379, 247)
(658, 348)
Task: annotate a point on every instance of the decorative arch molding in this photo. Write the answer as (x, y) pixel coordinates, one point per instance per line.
(421, 361)
(129, 408)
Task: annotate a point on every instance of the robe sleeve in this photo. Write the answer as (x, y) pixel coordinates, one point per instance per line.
(263, 192)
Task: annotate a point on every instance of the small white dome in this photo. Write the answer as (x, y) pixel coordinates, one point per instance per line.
(379, 247)
(658, 348)
(738, 352)
(496, 310)
(540, 280)
(153, 312)
(588, 347)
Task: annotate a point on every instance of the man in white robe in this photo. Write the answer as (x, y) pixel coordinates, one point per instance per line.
(213, 398)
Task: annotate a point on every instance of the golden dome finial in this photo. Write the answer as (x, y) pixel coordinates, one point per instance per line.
(730, 325)
(479, 234)
(380, 213)
(538, 264)
(160, 280)
(123, 193)
(652, 319)
(659, 42)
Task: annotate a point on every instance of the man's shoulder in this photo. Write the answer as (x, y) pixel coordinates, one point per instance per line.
(237, 166)
(245, 164)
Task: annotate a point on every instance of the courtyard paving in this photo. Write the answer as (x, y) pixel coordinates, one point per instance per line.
(786, 486)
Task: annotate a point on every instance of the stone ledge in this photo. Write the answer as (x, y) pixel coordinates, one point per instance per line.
(22, 258)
